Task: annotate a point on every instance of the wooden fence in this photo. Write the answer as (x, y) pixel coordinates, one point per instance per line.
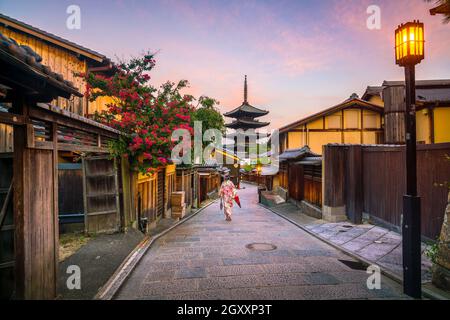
(312, 185)
(382, 182)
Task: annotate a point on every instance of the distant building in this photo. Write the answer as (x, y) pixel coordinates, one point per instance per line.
(378, 117)
(432, 111)
(244, 125)
(353, 121)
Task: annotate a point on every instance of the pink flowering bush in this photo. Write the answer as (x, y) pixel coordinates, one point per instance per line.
(147, 116)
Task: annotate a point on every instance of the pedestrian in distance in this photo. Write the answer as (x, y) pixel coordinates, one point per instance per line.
(228, 194)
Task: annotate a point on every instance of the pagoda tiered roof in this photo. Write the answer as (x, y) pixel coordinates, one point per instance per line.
(247, 124)
(245, 115)
(246, 110)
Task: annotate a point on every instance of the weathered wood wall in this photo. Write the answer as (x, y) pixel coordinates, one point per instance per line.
(70, 191)
(7, 255)
(296, 182)
(312, 185)
(36, 219)
(394, 114)
(334, 172)
(185, 182)
(383, 182)
(169, 188)
(6, 138)
(101, 195)
(283, 175)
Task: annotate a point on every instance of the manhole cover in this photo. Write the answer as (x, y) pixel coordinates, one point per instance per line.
(261, 246)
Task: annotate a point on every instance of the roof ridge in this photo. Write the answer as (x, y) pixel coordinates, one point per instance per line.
(330, 109)
(54, 36)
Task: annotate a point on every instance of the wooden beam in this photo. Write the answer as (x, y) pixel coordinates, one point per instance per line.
(5, 205)
(431, 121)
(30, 135)
(362, 125)
(50, 116)
(11, 118)
(54, 134)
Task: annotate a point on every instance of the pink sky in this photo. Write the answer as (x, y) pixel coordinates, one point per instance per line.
(300, 56)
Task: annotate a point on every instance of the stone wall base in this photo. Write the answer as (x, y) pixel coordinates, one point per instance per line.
(310, 210)
(334, 214)
(441, 277)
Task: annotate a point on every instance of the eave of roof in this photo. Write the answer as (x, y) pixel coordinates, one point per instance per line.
(44, 35)
(65, 88)
(372, 91)
(346, 104)
(246, 109)
(297, 154)
(441, 9)
(246, 123)
(67, 113)
(420, 83)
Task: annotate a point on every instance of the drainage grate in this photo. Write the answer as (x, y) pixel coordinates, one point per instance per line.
(261, 246)
(355, 265)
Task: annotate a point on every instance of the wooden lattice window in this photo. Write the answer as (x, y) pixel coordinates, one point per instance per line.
(69, 135)
(42, 130)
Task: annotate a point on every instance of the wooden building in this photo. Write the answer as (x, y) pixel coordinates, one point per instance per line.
(368, 181)
(208, 182)
(29, 176)
(186, 181)
(432, 111)
(152, 196)
(352, 121)
(300, 175)
(63, 57)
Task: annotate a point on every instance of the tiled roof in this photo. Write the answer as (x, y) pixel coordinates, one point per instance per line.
(240, 123)
(297, 154)
(421, 83)
(433, 94)
(310, 161)
(246, 110)
(23, 55)
(372, 91)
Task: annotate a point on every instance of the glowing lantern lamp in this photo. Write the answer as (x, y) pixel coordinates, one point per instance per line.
(409, 51)
(409, 44)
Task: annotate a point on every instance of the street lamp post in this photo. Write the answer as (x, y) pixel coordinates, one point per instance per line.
(409, 51)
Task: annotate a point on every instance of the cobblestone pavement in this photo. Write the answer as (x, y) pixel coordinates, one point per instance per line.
(372, 243)
(207, 258)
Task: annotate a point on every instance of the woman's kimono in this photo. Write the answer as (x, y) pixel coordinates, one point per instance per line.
(227, 193)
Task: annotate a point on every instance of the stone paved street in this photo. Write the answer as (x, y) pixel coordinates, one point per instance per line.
(207, 258)
(372, 243)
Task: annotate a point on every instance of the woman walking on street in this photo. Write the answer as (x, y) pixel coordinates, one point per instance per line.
(227, 194)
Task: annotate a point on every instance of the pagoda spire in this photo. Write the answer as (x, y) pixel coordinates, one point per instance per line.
(245, 90)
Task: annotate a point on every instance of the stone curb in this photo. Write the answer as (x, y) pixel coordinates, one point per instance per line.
(115, 282)
(425, 292)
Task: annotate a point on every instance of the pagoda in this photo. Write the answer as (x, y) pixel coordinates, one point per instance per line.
(245, 124)
(245, 115)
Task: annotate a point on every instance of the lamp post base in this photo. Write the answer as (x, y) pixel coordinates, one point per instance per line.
(412, 274)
